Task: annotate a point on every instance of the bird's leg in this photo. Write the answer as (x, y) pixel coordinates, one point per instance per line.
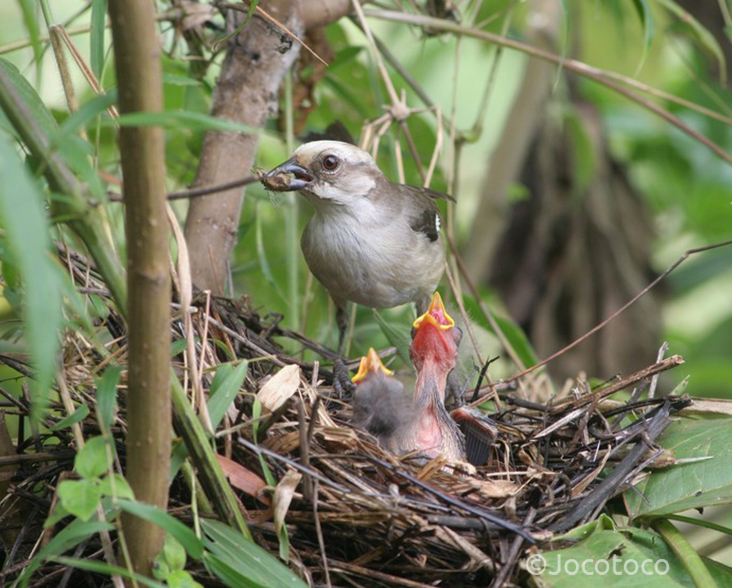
(342, 384)
(342, 322)
(422, 305)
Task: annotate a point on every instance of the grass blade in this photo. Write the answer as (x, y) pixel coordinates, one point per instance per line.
(27, 234)
(96, 37)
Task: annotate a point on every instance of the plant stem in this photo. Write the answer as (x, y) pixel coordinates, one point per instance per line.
(86, 221)
(142, 149)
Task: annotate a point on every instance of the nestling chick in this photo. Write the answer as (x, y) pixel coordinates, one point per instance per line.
(434, 352)
(370, 241)
(381, 406)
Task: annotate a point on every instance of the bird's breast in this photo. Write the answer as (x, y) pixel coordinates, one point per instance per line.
(378, 263)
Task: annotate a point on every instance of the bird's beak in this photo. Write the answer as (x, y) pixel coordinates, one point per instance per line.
(436, 315)
(370, 363)
(288, 176)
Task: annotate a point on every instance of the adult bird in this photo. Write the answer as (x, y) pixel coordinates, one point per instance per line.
(370, 241)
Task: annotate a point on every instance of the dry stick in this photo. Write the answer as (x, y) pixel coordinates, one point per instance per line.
(600, 76)
(63, 67)
(198, 192)
(513, 554)
(85, 69)
(319, 533)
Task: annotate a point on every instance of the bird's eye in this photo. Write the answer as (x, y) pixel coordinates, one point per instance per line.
(330, 163)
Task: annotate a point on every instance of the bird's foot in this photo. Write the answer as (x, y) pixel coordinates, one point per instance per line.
(342, 385)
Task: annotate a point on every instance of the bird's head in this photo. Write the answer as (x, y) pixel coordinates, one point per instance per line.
(435, 338)
(328, 170)
(370, 366)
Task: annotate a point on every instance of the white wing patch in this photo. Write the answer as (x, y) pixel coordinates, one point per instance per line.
(437, 223)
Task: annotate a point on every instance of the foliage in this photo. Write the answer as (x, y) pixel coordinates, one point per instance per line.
(686, 185)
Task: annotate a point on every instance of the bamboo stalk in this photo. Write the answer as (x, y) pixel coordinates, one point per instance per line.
(142, 149)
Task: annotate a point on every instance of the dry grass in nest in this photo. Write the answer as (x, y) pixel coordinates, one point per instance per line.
(356, 515)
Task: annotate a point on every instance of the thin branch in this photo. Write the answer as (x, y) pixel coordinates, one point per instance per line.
(600, 76)
(622, 309)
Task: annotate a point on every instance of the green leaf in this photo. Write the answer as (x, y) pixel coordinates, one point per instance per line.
(174, 554)
(177, 347)
(81, 118)
(107, 396)
(175, 120)
(30, 20)
(262, 255)
(705, 37)
(100, 567)
(693, 562)
(399, 337)
(96, 36)
(78, 416)
(646, 17)
(616, 559)
(80, 497)
(169, 524)
(239, 562)
(64, 540)
(224, 391)
(116, 486)
(91, 461)
(182, 579)
(584, 166)
(27, 233)
(692, 485)
(30, 98)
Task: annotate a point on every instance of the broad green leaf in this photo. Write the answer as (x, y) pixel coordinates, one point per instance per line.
(174, 553)
(100, 567)
(30, 97)
(177, 347)
(116, 486)
(234, 558)
(78, 416)
(91, 461)
(96, 37)
(226, 572)
(27, 234)
(625, 558)
(224, 391)
(518, 340)
(80, 497)
(398, 336)
(169, 524)
(691, 485)
(107, 396)
(182, 579)
(64, 540)
(513, 333)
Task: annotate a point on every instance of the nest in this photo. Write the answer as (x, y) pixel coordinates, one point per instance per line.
(358, 515)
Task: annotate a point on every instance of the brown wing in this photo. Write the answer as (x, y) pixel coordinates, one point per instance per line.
(422, 209)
